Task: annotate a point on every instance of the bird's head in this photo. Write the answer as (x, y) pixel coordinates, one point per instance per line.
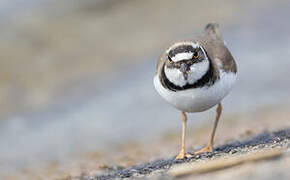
(185, 63)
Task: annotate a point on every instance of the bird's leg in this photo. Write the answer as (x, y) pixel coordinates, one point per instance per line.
(209, 147)
(183, 153)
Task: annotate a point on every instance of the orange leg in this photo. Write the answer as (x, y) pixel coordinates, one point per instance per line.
(209, 147)
(183, 153)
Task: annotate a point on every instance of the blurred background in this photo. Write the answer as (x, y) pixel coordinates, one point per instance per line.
(76, 76)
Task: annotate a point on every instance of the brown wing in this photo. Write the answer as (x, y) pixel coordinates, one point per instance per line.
(217, 51)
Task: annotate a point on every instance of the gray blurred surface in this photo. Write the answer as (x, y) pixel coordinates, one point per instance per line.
(87, 82)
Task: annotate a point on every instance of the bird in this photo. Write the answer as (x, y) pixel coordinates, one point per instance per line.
(194, 76)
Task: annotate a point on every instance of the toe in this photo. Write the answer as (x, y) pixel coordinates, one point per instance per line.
(206, 149)
(183, 156)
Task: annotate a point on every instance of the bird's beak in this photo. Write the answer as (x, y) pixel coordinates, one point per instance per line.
(184, 69)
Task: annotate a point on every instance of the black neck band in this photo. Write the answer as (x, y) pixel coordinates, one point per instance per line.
(205, 80)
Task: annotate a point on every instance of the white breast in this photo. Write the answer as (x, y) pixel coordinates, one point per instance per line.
(198, 99)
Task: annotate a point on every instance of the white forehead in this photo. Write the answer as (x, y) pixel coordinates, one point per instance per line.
(184, 55)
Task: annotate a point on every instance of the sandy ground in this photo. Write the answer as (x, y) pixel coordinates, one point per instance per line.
(261, 147)
(245, 135)
(262, 130)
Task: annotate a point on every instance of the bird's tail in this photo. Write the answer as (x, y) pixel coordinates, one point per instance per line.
(212, 30)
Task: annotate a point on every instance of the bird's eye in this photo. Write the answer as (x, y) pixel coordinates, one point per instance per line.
(195, 55)
(170, 60)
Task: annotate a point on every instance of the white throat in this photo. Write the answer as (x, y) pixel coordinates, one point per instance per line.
(197, 71)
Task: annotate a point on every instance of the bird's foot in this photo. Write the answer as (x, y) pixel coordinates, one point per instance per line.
(208, 148)
(183, 155)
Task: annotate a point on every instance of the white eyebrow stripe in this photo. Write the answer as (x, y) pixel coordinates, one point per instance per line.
(182, 56)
